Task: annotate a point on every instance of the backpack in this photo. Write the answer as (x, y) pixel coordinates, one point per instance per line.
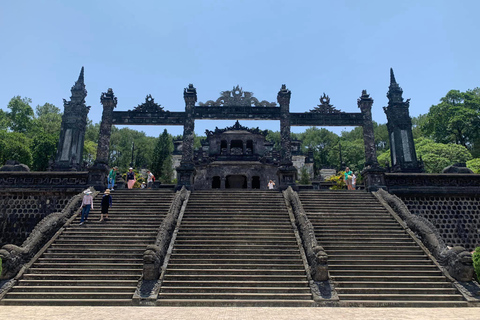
(153, 178)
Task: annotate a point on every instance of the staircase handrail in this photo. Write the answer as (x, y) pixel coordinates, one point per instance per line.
(14, 257)
(155, 254)
(457, 261)
(316, 256)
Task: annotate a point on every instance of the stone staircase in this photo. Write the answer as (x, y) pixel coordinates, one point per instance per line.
(372, 259)
(96, 263)
(235, 248)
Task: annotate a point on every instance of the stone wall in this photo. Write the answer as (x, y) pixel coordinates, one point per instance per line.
(457, 217)
(28, 197)
(20, 211)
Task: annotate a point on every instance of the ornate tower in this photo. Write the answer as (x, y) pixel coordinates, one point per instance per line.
(72, 134)
(399, 124)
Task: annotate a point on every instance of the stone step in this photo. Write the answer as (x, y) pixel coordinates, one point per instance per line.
(81, 271)
(263, 266)
(428, 303)
(172, 271)
(69, 295)
(96, 276)
(389, 278)
(98, 260)
(67, 302)
(229, 283)
(383, 257)
(354, 262)
(66, 283)
(396, 290)
(236, 296)
(232, 289)
(402, 297)
(91, 265)
(236, 236)
(234, 303)
(383, 267)
(396, 284)
(258, 260)
(234, 277)
(40, 288)
(236, 250)
(382, 272)
(220, 243)
(92, 255)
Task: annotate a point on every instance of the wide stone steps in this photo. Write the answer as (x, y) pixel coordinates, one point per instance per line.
(97, 263)
(235, 249)
(372, 260)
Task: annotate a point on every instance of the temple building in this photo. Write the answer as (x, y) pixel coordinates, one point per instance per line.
(239, 157)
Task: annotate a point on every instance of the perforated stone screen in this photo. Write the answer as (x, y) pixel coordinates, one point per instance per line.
(456, 217)
(20, 212)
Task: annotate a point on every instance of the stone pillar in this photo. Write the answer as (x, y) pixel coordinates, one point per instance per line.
(185, 171)
(223, 183)
(373, 174)
(72, 133)
(399, 124)
(97, 174)
(365, 104)
(287, 173)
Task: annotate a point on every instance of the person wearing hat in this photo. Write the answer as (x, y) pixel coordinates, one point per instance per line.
(130, 178)
(87, 204)
(111, 178)
(106, 203)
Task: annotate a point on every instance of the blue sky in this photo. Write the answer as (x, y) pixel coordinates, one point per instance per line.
(159, 47)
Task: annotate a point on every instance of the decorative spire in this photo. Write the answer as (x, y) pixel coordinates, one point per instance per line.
(394, 93)
(392, 77)
(78, 90)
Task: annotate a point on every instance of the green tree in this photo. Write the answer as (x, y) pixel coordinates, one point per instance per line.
(162, 152)
(21, 114)
(48, 120)
(474, 165)
(323, 144)
(437, 156)
(455, 119)
(15, 146)
(304, 176)
(44, 148)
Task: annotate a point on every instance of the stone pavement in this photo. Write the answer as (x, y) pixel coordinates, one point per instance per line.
(200, 313)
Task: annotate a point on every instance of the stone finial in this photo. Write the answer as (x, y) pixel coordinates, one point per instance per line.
(190, 92)
(394, 93)
(78, 90)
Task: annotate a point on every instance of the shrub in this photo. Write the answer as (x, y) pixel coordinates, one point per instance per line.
(339, 180)
(476, 262)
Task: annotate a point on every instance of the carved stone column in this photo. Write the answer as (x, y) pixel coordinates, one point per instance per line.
(185, 171)
(287, 173)
(72, 133)
(97, 174)
(365, 104)
(373, 174)
(399, 124)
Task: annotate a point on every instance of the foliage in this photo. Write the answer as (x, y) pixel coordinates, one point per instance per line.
(15, 146)
(384, 158)
(339, 180)
(48, 120)
(437, 156)
(323, 144)
(21, 114)
(455, 119)
(89, 152)
(163, 149)
(474, 165)
(122, 142)
(476, 262)
(304, 176)
(167, 170)
(43, 149)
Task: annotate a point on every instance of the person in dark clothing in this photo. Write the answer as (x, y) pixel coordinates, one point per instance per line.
(106, 203)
